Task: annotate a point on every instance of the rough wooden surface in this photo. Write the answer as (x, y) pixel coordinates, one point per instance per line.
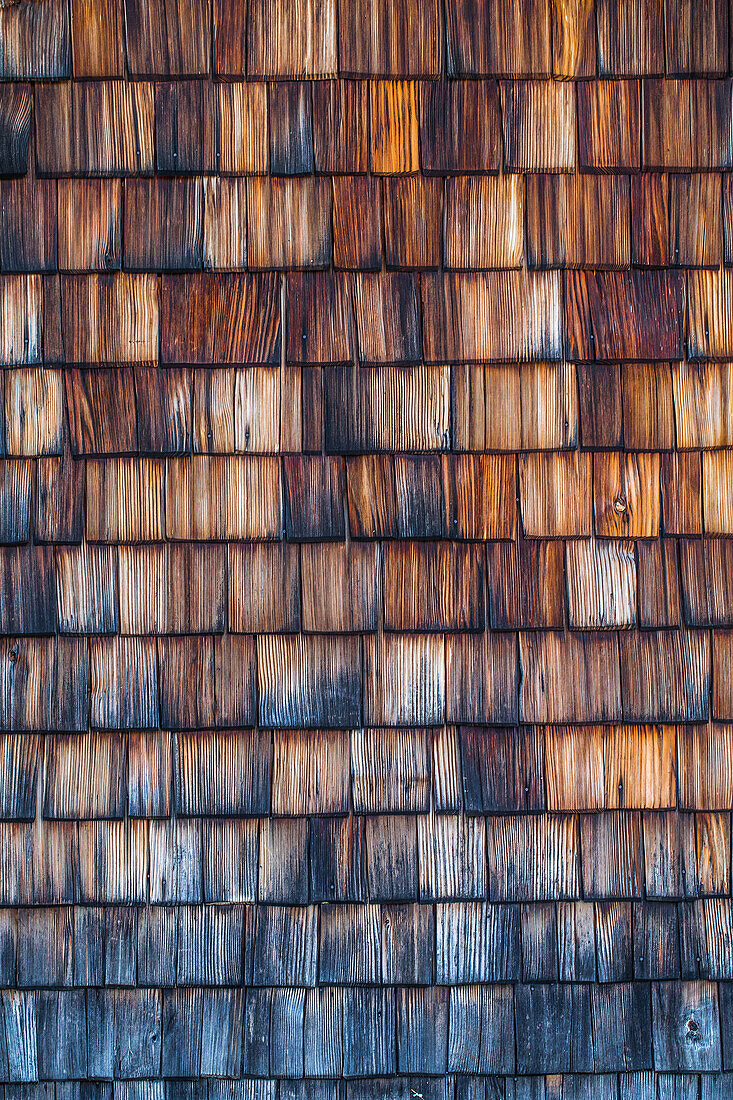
(366, 550)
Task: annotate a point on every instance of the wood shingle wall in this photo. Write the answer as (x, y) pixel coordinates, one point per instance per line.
(366, 549)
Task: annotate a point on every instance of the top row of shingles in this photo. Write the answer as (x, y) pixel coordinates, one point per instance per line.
(55, 39)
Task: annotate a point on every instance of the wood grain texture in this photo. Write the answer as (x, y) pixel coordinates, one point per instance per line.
(482, 673)
(686, 125)
(176, 589)
(575, 768)
(555, 495)
(21, 309)
(310, 772)
(86, 589)
(716, 494)
(612, 855)
(390, 770)
(394, 127)
(640, 767)
(235, 497)
(433, 586)
(292, 38)
(393, 299)
(466, 316)
(33, 412)
(539, 126)
(224, 224)
(484, 220)
(84, 776)
(149, 774)
(124, 500)
(96, 128)
(626, 498)
(696, 221)
(124, 683)
(264, 588)
(569, 677)
(705, 774)
(167, 37)
(389, 38)
(600, 308)
(357, 223)
(163, 226)
(601, 581)
(650, 218)
(659, 587)
(341, 587)
(242, 125)
(578, 221)
(404, 680)
(535, 858)
(710, 336)
(681, 477)
(15, 126)
(90, 224)
(703, 405)
(110, 318)
(532, 406)
(574, 45)
(526, 584)
(371, 496)
(705, 569)
(631, 39)
(101, 409)
(309, 681)
(502, 769)
(220, 318)
(288, 222)
(361, 404)
(665, 675)
(452, 114)
(413, 210)
(649, 421)
(291, 128)
(340, 129)
(97, 38)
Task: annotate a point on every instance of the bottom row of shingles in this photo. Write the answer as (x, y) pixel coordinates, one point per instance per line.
(331, 1032)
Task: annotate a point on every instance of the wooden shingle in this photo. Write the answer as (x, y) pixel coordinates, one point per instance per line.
(389, 38)
(15, 125)
(578, 221)
(97, 39)
(394, 127)
(89, 224)
(404, 680)
(466, 316)
(341, 587)
(555, 495)
(615, 315)
(511, 39)
(484, 219)
(340, 132)
(167, 37)
(631, 38)
(292, 38)
(539, 126)
(433, 586)
(626, 499)
(288, 222)
(28, 237)
(220, 318)
(452, 113)
(570, 677)
(96, 128)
